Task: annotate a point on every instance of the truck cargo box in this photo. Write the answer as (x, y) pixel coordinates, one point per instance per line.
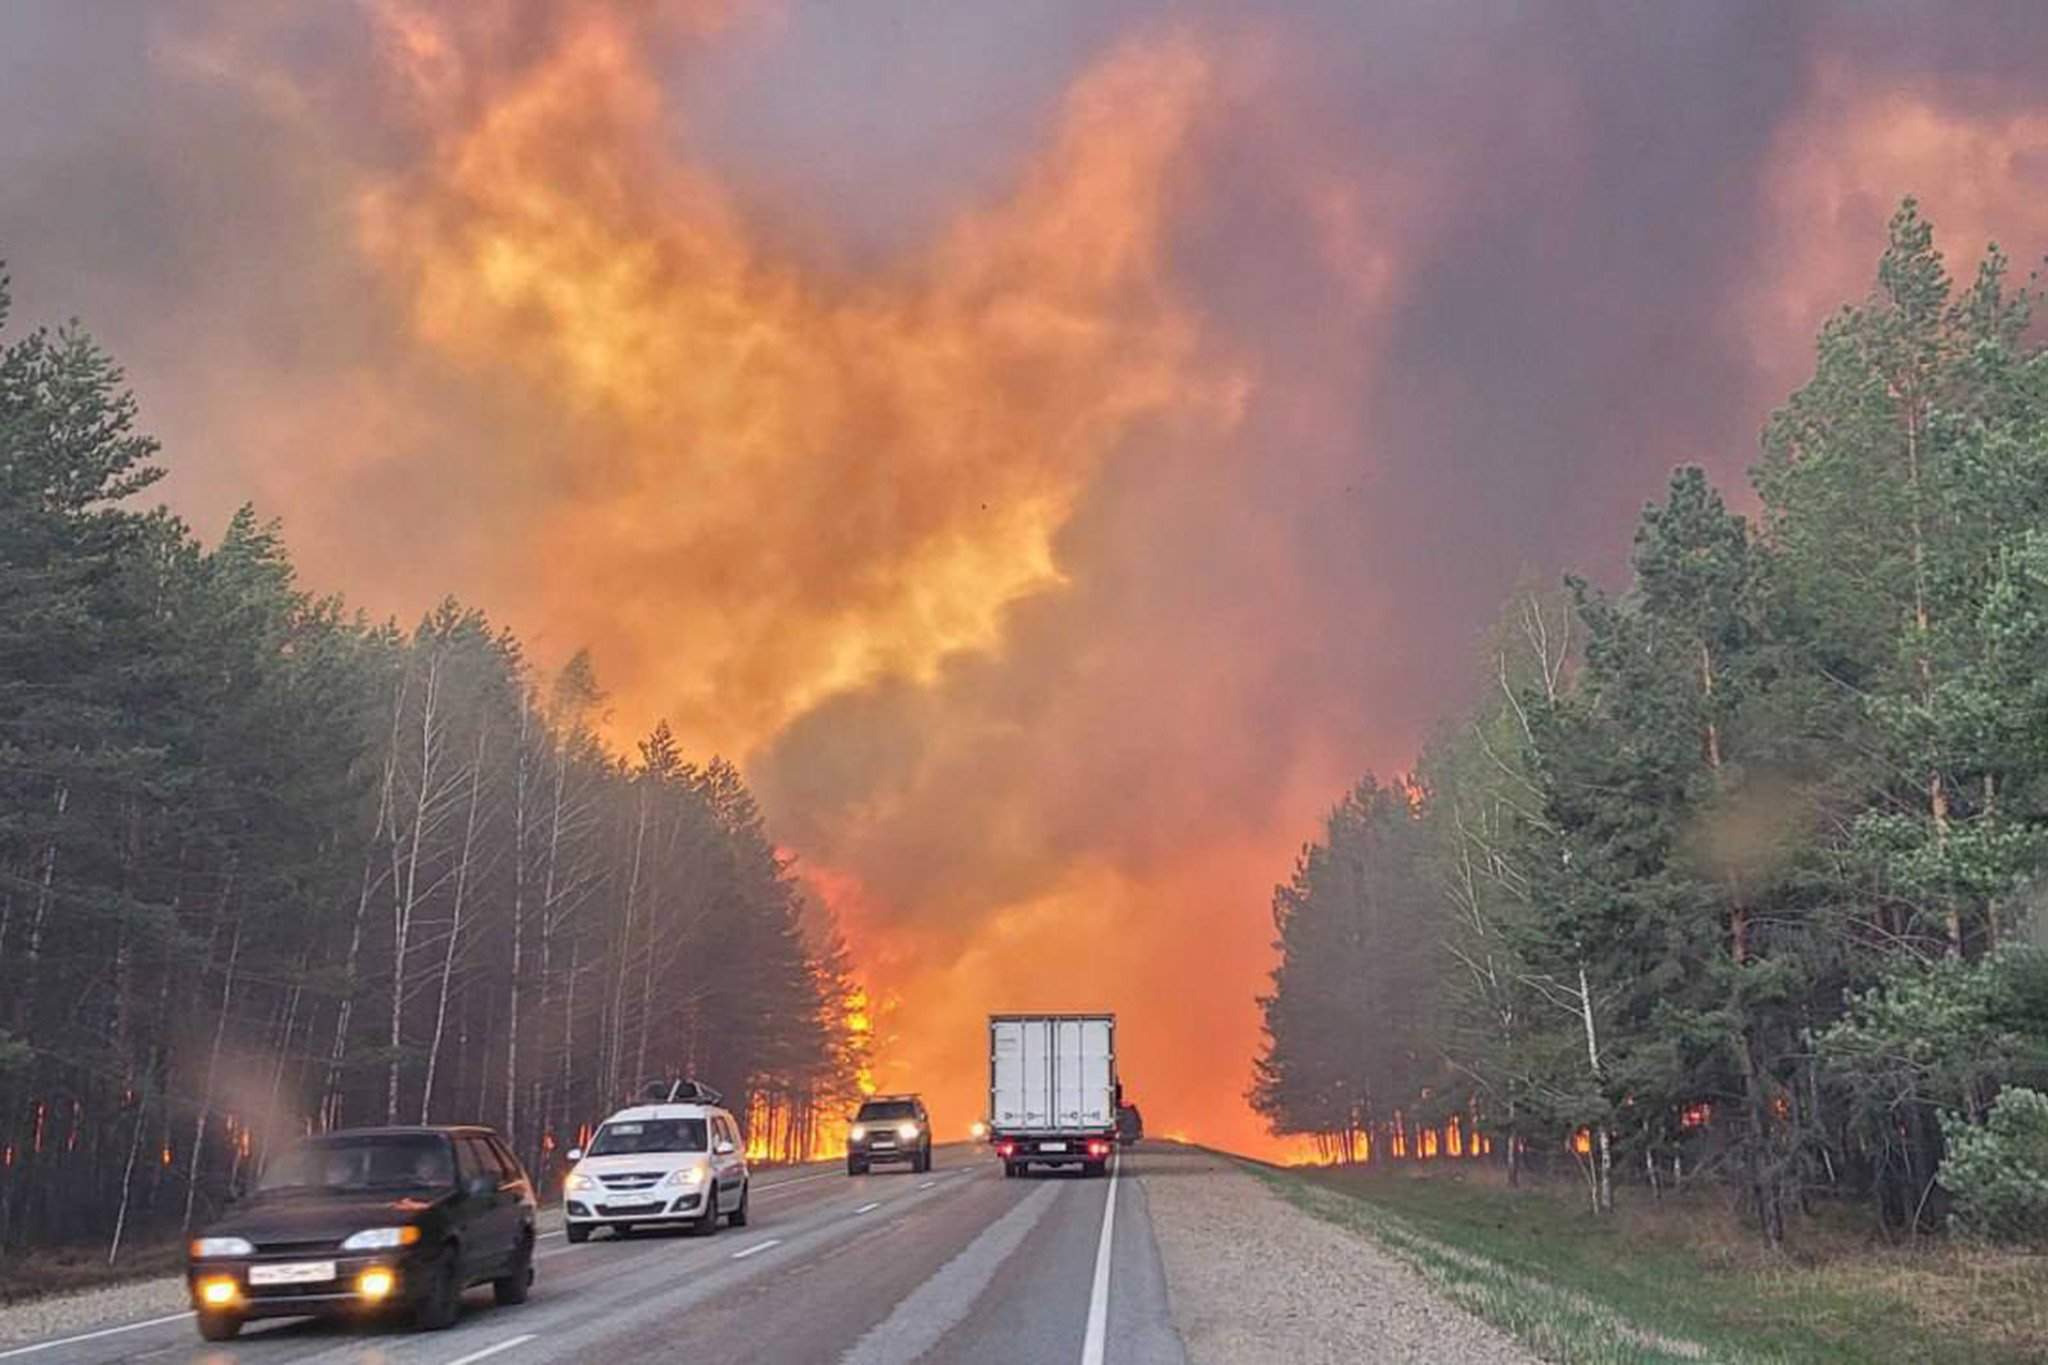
(1052, 1074)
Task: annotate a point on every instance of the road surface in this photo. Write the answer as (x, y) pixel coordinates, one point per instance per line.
(958, 1264)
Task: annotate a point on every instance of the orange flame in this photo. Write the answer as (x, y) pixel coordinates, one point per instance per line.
(552, 234)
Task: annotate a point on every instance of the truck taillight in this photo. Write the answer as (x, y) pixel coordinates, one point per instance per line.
(1004, 1149)
(1098, 1149)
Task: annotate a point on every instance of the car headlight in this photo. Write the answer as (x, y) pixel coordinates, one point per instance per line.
(580, 1181)
(205, 1247)
(859, 1131)
(906, 1131)
(686, 1175)
(382, 1239)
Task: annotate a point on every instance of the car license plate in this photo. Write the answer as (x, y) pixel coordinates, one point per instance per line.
(1052, 1147)
(294, 1272)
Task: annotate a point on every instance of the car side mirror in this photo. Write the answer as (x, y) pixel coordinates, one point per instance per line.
(480, 1186)
(575, 1154)
(723, 1148)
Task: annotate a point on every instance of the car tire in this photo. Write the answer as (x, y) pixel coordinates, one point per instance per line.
(1091, 1169)
(707, 1222)
(220, 1326)
(1010, 1170)
(856, 1167)
(576, 1232)
(738, 1217)
(511, 1289)
(441, 1305)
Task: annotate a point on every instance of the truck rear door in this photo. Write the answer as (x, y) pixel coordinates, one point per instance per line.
(1085, 1071)
(1021, 1073)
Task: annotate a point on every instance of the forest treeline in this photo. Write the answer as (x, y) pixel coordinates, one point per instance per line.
(268, 866)
(1726, 878)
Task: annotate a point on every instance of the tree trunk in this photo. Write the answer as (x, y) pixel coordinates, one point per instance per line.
(128, 1175)
(519, 820)
(404, 908)
(220, 1028)
(618, 1039)
(330, 1103)
(1763, 1177)
(462, 867)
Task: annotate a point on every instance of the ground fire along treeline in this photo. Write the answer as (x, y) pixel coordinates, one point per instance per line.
(266, 866)
(1726, 878)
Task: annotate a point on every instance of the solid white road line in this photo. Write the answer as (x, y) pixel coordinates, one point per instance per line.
(928, 1184)
(869, 1208)
(492, 1350)
(757, 1248)
(92, 1336)
(1098, 1301)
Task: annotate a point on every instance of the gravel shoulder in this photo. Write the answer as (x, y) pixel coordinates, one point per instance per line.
(1252, 1279)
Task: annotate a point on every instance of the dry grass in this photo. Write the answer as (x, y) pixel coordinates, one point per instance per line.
(1666, 1277)
(66, 1270)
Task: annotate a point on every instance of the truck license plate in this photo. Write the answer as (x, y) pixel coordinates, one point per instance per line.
(294, 1272)
(1052, 1147)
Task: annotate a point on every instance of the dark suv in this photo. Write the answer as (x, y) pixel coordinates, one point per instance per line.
(367, 1220)
(889, 1128)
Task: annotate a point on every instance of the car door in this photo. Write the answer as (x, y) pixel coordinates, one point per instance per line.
(490, 1211)
(730, 1163)
(518, 1189)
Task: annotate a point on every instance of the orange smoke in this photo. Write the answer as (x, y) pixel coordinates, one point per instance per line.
(767, 491)
(793, 483)
(1839, 169)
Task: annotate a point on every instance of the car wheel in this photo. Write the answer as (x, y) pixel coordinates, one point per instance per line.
(856, 1167)
(738, 1217)
(576, 1232)
(621, 1229)
(1009, 1170)
(708, 1223)
(512, 1289)
(1092, 1169)
(441, 1304)
(220, 1326)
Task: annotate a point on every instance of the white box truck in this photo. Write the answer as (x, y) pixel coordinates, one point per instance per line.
(1052, 1090)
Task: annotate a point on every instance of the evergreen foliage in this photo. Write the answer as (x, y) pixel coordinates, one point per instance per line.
(1722, 877)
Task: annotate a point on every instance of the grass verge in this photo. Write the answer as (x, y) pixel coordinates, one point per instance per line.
(51, 1271)
(1679, 1280)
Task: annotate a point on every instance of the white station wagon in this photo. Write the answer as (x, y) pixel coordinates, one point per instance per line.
(665, 1164)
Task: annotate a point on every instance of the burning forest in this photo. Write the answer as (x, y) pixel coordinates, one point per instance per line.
(735, 539)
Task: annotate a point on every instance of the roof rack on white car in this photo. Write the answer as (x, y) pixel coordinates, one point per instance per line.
(681, 1090)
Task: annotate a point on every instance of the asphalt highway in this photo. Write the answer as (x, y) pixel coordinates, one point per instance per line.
(955, 1265)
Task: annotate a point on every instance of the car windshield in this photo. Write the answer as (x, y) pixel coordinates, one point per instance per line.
(649, 1135)
(882, 1111)
(401, 1162)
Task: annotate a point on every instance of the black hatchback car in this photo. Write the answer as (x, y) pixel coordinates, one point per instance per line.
(369, 1220)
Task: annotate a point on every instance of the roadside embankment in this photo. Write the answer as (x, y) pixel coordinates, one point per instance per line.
(1681, 1279)
(1254, 1278)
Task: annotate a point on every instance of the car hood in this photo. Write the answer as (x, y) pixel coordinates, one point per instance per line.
(627, 1163)
(318, 1217)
